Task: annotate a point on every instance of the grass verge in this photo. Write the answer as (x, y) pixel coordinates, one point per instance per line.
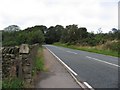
(89, 49)
(39, 62)
(12, 83)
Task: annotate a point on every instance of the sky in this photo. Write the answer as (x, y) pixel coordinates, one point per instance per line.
(92, 14)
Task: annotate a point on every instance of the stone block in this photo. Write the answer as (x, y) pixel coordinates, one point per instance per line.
(24, 49)
(28, 80)
(27, 76)
(26, 69)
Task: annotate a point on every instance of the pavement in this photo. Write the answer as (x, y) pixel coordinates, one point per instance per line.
(99, 71)
(55, 76)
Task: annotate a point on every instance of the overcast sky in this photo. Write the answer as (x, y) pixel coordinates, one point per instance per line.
(92, 14)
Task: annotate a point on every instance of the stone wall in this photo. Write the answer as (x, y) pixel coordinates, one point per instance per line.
(19, 61)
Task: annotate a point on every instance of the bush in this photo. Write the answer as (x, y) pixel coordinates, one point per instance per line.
(9, 43)
(111, 45)
(24, 36)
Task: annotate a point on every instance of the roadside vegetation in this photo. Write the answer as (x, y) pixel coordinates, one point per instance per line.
(38, 66)
(94, 49)
(39, 62)
(27, 36)
(12, 83)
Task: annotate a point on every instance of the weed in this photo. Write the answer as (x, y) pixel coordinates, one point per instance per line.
(12, 83)
(39, 62)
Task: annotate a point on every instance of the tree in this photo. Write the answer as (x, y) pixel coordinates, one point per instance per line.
(58, 30)
(50, 35)
(30, 35)
(35, 37)
(72, 34)
(12, 28)
(69, 34)
(114, 30)
(53, 34)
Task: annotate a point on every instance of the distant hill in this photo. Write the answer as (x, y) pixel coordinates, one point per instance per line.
(12, 28)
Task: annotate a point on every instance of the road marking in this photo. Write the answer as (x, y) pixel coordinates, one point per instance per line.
(103, 61)
(61, 49)
(71, 52)
(63, 63)
(58, 48)
(72, 72)
(88, 85)
(81, 85)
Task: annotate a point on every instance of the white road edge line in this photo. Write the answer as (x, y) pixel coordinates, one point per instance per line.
(81, 85)
(63, 63)
(103, 61)
(71, 52)
(72, 73)
(88, 85)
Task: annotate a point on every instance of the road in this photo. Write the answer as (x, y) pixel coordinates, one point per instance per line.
(55, 76)
(100, 71)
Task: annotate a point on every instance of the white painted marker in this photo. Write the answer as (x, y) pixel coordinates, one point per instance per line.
(103, 61)
(71, 52)
(80, 84)
(88, 85)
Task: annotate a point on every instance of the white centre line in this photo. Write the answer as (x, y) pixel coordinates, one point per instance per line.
(60, 48)
(103, 61)
(71, 52)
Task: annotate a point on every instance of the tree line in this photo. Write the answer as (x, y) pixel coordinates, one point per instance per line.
(28, 36)
(71, 34)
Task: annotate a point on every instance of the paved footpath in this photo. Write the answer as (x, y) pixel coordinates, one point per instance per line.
(56, 75)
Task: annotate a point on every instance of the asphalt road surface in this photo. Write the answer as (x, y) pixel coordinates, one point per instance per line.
(100, 71)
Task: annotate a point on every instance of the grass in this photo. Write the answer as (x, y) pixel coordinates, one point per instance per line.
(12, 83)
(39, 62)
(0, 83)
(90, 49)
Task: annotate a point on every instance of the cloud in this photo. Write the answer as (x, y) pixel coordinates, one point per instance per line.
(92, 14)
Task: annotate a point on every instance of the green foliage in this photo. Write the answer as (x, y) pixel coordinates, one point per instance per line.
(29, 36)
(72, 34)
(39, 64)
(53, 34)
(10, 43)
(35, 37)
(39, 61)
(12, 83)
(12, 28)
(37, 27)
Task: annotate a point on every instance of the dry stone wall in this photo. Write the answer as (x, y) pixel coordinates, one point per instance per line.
(19, 61)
